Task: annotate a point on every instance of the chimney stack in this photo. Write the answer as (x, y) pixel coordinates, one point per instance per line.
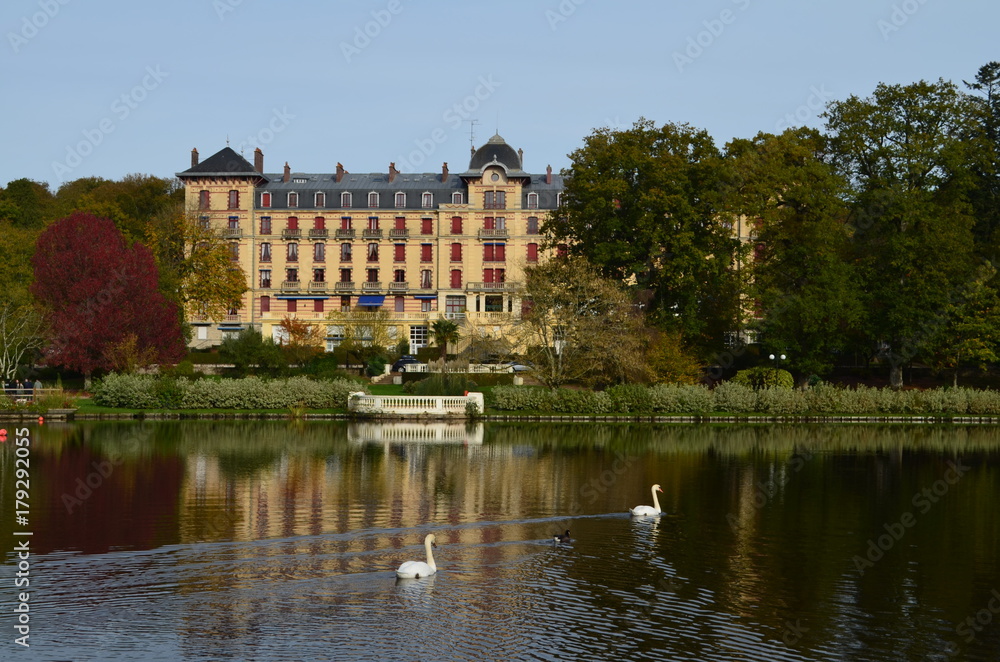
(340, 171)
(258, 160)
(548, 174)
(520, 158)
(444, 172)
(392, 172)
(194, 157)
(288, 173)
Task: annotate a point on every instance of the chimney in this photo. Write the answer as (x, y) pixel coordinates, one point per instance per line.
(288, 173)
(520, 158)
(340, 171)
(444, 171)
(258, 160)
(194, 157)
(392, 172)
(548, 174)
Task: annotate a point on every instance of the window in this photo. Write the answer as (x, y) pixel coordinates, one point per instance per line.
(293, 306)
(456, 252)
(293, 223)
(494, 253)
(293, 199)
(559, 199)
(400, 200)
(317, 305)
(345, 222)
(320, 199)
(372, 275)
(265, 200)
(345, 199)
(265, 252)
(532, 252)
(494, 303)
(319, 275)
(292, 275)
(454, 306)
(373, 252)
(399, 252)
(319, 252)
(399, 276)
(234, 199)
(425, 305)
(204, 223)
(501, 223)
(202, 199)
(234, 252)
(345, 304)
(489, 223)
(495, 200)
(345, 275)
(532, 225)
(400, 222)
(456, 225)
(345, 252)
(234, 222)
(427, 226)
(265, 304)
(418, 337)
(319, 223)
(293, 252)
(494, 276)
(373, 222)
(427, 200)
(373, 199)
(426, 253)
(399, 304)
(456, 279)
(456, 198)
(265, 279)
(532, 201)
(265, 225)
(562, 250)
(425, 279)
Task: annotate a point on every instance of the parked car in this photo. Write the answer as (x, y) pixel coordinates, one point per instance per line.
(404, 361)
(515, 366)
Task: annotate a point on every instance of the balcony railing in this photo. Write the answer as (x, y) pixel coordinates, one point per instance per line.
(232, 233)
(291, 286)
(345, 233)
(344, 286)
(319, 233)
(371, 234)
(399, 287)
(495, 205)
(265, 284)
(399, 234)
(317, 286)
(493, 233)
(233, 319)
(455, 316)
(492, 287)
(371, 286)
(288, 233)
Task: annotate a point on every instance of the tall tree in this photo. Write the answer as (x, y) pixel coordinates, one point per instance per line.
(96, 290)
(907, 153)
(646, 205)
(26, 203)
(803, 285)
(985, 196)
(21, 336)
(444, 331)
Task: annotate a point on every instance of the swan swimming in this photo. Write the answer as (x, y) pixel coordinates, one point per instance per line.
(649, 510)
(418, 569)
(561, 537)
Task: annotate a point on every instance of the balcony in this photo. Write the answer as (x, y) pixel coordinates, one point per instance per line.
(345, 233)
(317, 286)
(319, 233)
(399, 234)
(455, 315)
(233, 319)
(265, 285)
(495, 233)
(495, 205)
(289, 233)
(232, 233)
(399, 287)
(371, 286)
(291, 286)
(371, 234)
(492, 287)
(344, 286)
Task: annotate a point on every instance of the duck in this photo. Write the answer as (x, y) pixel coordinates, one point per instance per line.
(561, 537)
(649, 510)
(418, 569)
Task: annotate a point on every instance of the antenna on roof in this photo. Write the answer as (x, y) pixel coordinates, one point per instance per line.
(472, 134)
(227, 140)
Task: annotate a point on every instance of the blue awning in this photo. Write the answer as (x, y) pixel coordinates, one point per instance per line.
(425, 296)
(371, 299)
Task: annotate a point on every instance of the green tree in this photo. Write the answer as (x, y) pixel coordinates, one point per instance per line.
(803, 284)
(444, 331)
(646, 205)
(26, 203)
(985, 196)
(907, 153)
(251, 353)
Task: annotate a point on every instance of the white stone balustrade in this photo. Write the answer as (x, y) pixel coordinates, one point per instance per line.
(414, 405)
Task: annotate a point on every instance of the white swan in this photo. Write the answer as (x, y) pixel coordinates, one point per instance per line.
(418, 569)
(649, 510)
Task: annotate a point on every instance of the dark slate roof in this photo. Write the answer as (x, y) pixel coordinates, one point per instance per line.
(225, 162)
(496, 151)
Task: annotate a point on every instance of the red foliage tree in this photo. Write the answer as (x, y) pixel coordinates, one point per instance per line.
(96, 291)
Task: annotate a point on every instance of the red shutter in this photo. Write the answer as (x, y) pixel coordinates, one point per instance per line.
(456, 225)
(265, 304)
(265, 200)
(456, 278)
(293, 223)
(292, 306)
(427, 226)
(499, 253)
(320, 223)
(400, 222)
(400, 253)
(487, 252)
(345, 223)
(532, 252)
(487, 275)
(456, 252)
(489, 223)
(425, 252)
(317, 305)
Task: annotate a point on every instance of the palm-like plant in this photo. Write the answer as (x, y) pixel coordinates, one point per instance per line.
(444, 331)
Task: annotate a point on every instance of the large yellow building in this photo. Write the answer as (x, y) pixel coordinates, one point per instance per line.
(417, 246)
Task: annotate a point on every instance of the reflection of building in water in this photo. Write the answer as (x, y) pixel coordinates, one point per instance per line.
(408, 433)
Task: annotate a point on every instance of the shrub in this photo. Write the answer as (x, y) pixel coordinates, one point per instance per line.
(125, 391)
(764, 377)
(630, 398)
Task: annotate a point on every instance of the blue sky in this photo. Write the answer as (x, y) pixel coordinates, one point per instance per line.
(108, 87)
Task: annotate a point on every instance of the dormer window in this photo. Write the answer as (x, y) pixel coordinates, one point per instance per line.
(320, 200)
(345, 199)
(373, 200)
(532, 201)
(456, 199)
(293, 199)
(400, 201)
(265, 200)
(559, 199)
(427, 200)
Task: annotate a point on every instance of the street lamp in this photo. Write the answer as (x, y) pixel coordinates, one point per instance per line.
(777, 359)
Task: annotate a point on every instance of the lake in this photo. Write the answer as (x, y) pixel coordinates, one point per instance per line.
(278, 540)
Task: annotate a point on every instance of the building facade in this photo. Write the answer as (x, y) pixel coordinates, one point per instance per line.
(405, 248)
